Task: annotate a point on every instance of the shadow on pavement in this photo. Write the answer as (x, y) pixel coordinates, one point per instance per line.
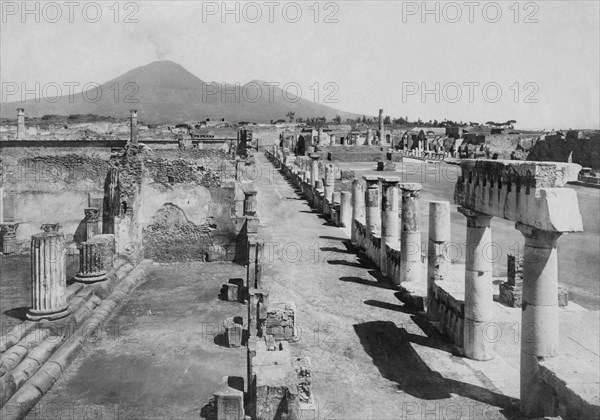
(392, 353)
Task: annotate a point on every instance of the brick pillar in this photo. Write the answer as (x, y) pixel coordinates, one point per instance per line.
(410, 233)
(479, 309)
(358, 207)
(539, 314)
(92, 217)
(48, 277)
(438, 262)
(389, 219)
(9, 237)
(133, 127)
(20, 124)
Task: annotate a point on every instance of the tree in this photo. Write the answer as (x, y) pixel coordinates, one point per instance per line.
(291, 115)
(387, 119)
(337, 119)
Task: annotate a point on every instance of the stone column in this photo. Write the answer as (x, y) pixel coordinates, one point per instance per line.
(438, 263)
(315, 170)
(479, 309)
(20, 124)
(372, 214)
(307, 185)
(346, 209)
(93, 266)
(369, 137)
(410, 233)
(320, 136)
(250, 203)
(389, 218)
(133, 128)
(539, 315)
(92, 217)
(381, 128)
(48, 277)
(329, 182)
(9, 237)
(358, 207)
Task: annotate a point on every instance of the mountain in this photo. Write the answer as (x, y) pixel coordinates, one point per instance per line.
(163, 91)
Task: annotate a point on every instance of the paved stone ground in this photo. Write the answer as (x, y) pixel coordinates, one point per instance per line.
(372, 359)
(15, 287)
(157, 357)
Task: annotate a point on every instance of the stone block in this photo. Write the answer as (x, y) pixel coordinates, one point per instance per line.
(233, 332)
(229, 401)
(281, 321)
(530, 193)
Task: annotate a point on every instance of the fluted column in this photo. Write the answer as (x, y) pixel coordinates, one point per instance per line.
(48, 277)
(410, 233)
(91, 263)
(479, 309)
(438, 262)
(539, 314)
(8, 231)
(389, 218)
(92, 217)
(358, 207)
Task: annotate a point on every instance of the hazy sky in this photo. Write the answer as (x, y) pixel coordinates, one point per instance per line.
(534, 62)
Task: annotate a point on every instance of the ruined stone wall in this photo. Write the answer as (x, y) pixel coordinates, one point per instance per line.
(186, 212)
(51, 185)
(172, 200)
(354, 153)
(586, 151)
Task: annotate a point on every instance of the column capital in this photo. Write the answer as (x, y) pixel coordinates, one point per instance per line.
(389, 180)
(372, 181)
(9, 228)
(50, 227)
(544, 238)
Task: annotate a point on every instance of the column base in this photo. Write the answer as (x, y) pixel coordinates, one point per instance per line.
(35, 315)
(91, 277)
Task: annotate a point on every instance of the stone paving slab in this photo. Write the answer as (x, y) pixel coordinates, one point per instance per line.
(371, 357)
(158, 357)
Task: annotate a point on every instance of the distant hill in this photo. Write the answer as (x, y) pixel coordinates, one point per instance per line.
(166, 92)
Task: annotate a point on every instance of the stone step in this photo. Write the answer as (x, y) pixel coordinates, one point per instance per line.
(13, 356)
